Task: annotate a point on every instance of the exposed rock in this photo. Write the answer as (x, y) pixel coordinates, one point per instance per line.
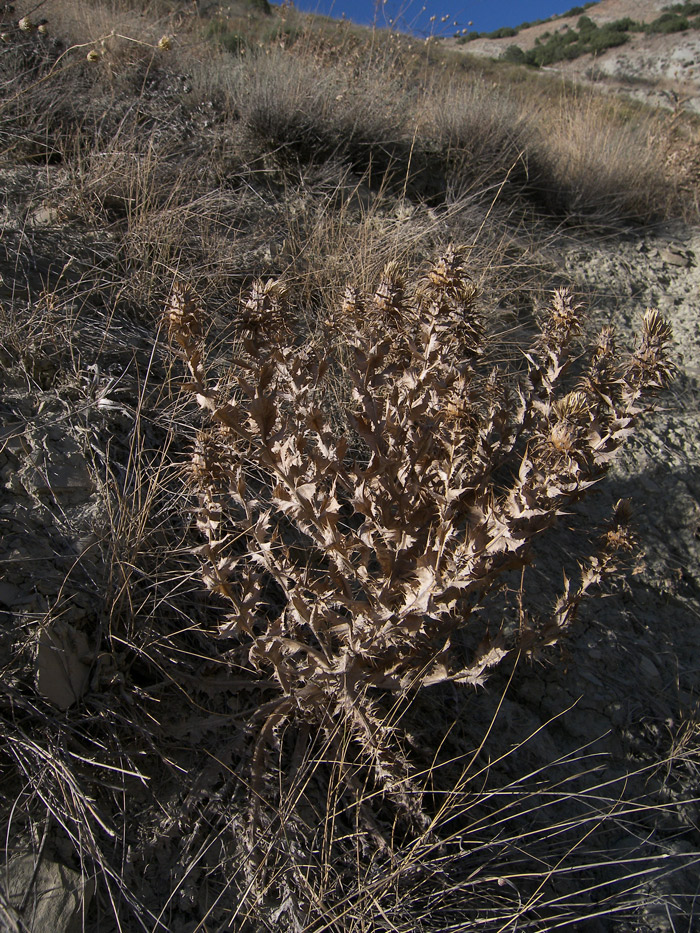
(45, 898)
(62, 664)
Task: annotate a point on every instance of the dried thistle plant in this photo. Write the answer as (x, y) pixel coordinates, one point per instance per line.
(348, 574)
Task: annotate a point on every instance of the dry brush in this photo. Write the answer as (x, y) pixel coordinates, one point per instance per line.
(352, 558)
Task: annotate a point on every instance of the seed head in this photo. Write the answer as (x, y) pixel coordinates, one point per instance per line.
(605, 346)
(184, 315)
(353, 305)
(573, 407)
(389, 296)
(449, 272)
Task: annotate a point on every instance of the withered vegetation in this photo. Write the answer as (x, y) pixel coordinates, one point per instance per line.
(352, 556)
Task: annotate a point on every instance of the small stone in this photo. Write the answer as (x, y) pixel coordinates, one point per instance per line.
(8, 594)
(62, 664)
(648, 671)
(675, 256)
(45, 216)
(54, 899)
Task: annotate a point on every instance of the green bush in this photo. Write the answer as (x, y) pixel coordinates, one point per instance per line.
(624, 25)
(669, 23)
(686, 9)
(585, 26)
(515, 55)
(606, 38)
(505, 32)
(570, 44)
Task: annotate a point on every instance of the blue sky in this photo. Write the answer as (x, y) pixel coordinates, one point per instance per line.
(414, 15)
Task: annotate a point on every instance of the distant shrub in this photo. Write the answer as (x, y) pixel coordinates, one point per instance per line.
(588, 37)
(687, 8)
(669, 23)
(572, 43)
(505, 32)
(624, 24)
(606, 38)
(515, 55)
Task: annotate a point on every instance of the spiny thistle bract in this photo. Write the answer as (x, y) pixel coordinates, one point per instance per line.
(349, 563)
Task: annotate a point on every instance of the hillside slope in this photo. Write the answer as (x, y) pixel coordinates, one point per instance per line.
(661, 69)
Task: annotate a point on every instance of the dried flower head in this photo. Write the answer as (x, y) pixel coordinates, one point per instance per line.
(26, 24)
(574, 407)
(165, 43)
(184, 315)
(448, 272)
(650, 367)
(389, 296)
(353, 306)
(264, 313)
(561, 322)
(605, 347)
